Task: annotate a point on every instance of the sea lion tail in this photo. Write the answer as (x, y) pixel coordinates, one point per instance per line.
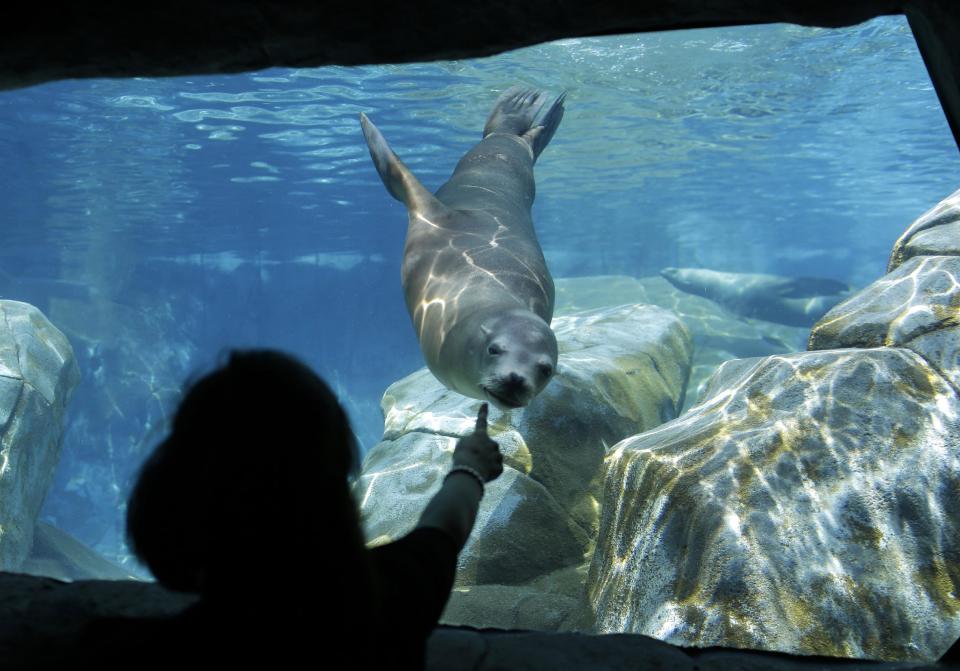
(524, 111)
(400, 182)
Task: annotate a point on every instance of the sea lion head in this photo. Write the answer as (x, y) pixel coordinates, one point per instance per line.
(516, 359)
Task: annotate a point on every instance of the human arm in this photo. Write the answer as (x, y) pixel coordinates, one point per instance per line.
(454, 508)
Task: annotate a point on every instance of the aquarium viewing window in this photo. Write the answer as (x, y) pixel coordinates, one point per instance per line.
(724, 457)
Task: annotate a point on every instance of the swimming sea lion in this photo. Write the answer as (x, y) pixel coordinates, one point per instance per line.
(795, 301)
(475, 281)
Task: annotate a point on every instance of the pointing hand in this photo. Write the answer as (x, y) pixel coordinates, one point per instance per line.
(478, 451)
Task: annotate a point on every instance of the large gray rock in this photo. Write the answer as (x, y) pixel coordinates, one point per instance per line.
(57, 554)
(809, 505)
(915, 298)
(37, 375)
(622, 370)
(935, 233)
(133, 381)
(718, 334)
(916, 304)
(941, 349)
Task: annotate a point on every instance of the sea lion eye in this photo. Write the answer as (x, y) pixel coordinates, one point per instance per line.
(545, 369)
(495, 349)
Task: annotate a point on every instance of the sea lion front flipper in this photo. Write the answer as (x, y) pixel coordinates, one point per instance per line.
(400, 182)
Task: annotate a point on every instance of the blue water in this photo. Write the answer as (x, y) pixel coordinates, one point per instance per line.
(159, 222)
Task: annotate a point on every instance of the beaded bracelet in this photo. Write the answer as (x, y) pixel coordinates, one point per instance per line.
(471, 471)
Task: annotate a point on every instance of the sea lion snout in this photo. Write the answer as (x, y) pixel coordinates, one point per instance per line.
(516, 375)
(510, 391)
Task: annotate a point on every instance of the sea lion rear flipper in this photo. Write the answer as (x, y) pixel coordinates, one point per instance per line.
(524, 112)
(400, 182)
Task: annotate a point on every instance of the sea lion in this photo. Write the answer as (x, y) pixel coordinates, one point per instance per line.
(474, 277)
(794, 301)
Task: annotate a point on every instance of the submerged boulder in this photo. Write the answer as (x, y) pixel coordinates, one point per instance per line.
(37, 376)
(811, 504)
(917, 297)
(622, 370)
(935, 233)
(718, 334)
(916, 304)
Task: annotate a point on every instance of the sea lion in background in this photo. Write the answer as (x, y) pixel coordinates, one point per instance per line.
(475, 281)
(794, 301)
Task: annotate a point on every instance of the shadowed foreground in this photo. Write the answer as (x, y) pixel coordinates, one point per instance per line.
(41, 620)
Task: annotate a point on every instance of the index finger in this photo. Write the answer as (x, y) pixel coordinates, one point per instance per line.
(482, 419)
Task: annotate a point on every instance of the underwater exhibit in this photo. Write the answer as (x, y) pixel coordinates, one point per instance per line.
(710, 297)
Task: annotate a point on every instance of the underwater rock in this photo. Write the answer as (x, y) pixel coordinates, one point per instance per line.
(37, 376)
(521, 532)
(57, 554)
(941, 349)
(132, 381)
(919, 296)
(622, 370)
(935, 233)
(809, 505)
(718, 335)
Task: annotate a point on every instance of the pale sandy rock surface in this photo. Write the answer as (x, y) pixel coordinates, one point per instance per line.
(37, 375)
(809, 505)
(621, 371)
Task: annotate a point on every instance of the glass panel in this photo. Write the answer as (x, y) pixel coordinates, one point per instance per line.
(160, 222)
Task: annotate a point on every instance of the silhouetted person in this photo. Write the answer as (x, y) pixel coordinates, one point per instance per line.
(247, 504)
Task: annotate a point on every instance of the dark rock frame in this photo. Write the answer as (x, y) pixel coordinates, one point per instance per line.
(177, 37)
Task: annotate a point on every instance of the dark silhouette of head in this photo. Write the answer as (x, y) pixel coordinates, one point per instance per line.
(249, 492)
